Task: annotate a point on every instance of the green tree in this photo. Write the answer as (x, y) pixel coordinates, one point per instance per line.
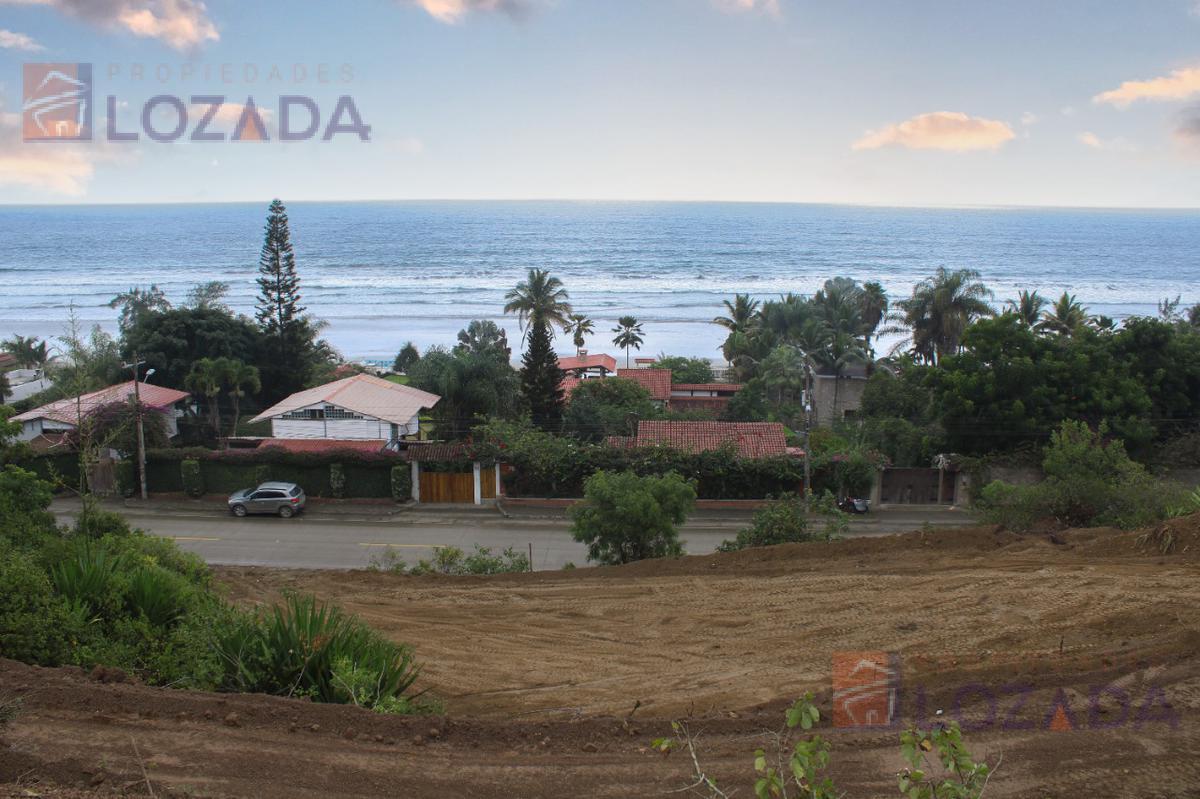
(580, 327)
(1065, 317)
(137, 303)
(484, 337)
(625, 518)
(1028, 306)
(291, 351)
(629, 334)
(173, 341)
(242, 379)
(541, 377)
(5, 388)
(873, 308)
(686, 370)
(208, 378)
(406, 358)
(473, 386)
(539, 297)
(609, 407)
(940, 310)
(30, 352)
(210, 294)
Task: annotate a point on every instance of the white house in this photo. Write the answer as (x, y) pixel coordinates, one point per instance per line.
(63, 415)
(360, 407)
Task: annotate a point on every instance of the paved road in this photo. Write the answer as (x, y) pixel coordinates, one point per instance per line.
(329, 541)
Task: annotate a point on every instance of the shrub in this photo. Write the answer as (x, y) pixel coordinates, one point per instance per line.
(337, 481)
(1090, 480)
(304, 639)
(401, 477)
(34, 623)
(24, 499)
(127, 479)
(90, 578)
(624, 517)
(189, 473)
(786, 522)
(453, 561)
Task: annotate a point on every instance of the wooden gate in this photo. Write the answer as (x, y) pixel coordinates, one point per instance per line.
(487, 482)
(448, 487)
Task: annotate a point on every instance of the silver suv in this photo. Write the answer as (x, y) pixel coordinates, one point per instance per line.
(283, 499)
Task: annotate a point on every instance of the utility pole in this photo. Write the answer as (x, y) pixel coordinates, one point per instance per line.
(807, 431)
(141, 433)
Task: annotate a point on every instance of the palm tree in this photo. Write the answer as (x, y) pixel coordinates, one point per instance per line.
(28, 350)
(580, 327)
(629, 334)
(785, 371)
(243, 379)
(1065, 317)
(741, 313)
(540, 297)
(1028, 307)
(873, 307)
(208, 376)
(941, 308)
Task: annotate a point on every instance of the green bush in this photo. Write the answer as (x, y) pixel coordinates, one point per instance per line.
(35, 626)
(337, 481)
(453, 561)
(786, 522)
(401, 483)
(304, 639)
(193, 483)
(127, 480)
(624, 517)
(1090, 480)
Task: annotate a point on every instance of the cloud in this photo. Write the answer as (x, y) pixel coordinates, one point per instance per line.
(453, 11)
(1180, 84)
(1029, 118)
(58, 168)
(18, 41)
(737, 6)
(182, 24)
(1119, 144)
(940, 130)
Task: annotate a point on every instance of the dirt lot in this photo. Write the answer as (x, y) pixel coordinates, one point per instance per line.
(541, 674)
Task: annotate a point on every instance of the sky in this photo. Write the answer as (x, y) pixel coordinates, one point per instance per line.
(880, 102)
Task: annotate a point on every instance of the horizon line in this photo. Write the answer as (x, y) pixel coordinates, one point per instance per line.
(608, 200)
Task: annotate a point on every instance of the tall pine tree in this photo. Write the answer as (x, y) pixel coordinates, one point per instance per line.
(541, 379)
(289, 338)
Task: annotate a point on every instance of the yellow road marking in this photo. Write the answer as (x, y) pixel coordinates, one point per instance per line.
(193, 538)
(404, 546)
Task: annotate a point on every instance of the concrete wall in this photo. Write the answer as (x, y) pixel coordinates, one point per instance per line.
(849, 392)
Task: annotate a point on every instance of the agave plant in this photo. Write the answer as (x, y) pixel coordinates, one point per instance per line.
(86, 579)
(157, 594)
(305, 639)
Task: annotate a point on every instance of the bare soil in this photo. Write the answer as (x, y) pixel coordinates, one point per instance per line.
(541, 674)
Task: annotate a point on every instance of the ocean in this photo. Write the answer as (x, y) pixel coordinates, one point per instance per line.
(382, 273)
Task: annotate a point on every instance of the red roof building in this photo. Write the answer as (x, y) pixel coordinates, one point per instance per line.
(62, 415)
(703, 396)
(319, 446)
(750, 439)
(592, 365)
(655, 381)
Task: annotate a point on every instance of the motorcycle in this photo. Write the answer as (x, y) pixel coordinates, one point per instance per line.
(854, 505)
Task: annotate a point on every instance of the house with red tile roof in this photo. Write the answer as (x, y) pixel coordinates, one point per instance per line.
(749, 439)
(656, 381)
(702, 396)
(62, 416)
(585, 366)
